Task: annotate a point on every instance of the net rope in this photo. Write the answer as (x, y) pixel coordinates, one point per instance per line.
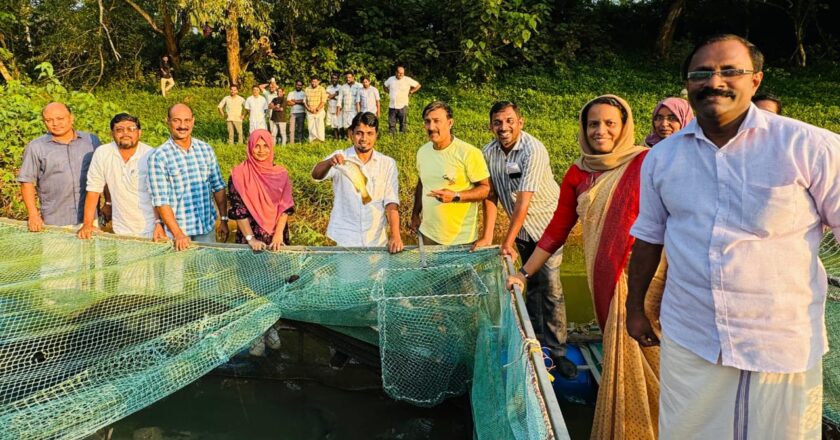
(92, 331)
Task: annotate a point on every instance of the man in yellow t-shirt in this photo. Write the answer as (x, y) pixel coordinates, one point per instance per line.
(454, 179)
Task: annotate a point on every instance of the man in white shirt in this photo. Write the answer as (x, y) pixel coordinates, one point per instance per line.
(399, 87)
(348, 95)
(257, 107)
(122, 165)
(297, 113)
(354, 223)
(333, 118)
(739, 198)
(368, 98)
(231, 106)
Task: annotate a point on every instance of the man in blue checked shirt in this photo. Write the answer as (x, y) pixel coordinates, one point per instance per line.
(183, 173)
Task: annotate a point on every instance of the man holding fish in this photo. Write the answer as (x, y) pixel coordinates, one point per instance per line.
(366, 190)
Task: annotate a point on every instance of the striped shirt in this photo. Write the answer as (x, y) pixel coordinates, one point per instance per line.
(524, 169)
(347, 97)
(186, 180)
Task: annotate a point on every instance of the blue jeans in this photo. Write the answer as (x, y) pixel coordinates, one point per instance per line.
(544, 300)
(209, 237)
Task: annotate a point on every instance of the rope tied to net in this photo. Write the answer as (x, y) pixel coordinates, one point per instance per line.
(533, 345)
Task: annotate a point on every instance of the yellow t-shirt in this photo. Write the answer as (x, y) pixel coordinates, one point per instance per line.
(457, 168)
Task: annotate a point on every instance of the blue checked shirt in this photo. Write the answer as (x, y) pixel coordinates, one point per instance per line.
(186, 181)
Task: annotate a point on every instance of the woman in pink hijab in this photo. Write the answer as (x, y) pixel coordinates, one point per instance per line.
(669, 116)
(260, 196)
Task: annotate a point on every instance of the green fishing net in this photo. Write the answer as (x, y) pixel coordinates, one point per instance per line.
(92, 331)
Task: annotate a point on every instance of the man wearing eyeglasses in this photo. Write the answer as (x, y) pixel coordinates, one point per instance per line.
(122, 165)
(739, 198)
(54, 166)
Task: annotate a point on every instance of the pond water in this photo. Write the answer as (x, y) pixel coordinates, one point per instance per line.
(298, 393)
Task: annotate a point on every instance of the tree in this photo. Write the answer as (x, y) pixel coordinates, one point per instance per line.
(252, 17)
(801, 14)
(174, 22)
(666, 32)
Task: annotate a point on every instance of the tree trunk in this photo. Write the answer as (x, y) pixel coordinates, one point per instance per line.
(170, 39)
(800, 57)
(232, 41)
(5, 72)
(666, 32)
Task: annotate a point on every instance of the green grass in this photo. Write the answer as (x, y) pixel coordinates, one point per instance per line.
(550, 103)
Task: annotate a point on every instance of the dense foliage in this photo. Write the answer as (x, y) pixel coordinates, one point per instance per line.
(96, 42)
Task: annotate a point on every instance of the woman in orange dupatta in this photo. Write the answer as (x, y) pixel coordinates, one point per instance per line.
(602, 190)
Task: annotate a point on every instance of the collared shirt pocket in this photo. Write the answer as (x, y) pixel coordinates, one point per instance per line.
(769, 210)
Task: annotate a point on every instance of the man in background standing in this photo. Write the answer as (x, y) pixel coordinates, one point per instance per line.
(316, 100)
(399, 87)
(230, 107)
(333, 118)
(368, 98)
(257, 106)
(166, 80)
(348, 95)
(297, 113)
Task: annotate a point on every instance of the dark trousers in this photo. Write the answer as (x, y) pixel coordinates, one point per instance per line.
(298, 134)
(397, 116)
(544, 299)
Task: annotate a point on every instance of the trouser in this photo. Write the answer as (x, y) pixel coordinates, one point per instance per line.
(544, 299)
(234, 125)
(278, 129)
(702, 400)
(315, 122)
(397, 116)
(166, 84)
(296, 127)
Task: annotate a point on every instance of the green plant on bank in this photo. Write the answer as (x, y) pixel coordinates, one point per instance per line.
(550, 104)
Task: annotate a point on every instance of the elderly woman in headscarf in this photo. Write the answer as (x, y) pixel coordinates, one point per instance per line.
(260, 195)
(669, 116)
(601, 189)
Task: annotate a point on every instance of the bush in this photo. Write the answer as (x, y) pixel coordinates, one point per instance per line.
(20, 122)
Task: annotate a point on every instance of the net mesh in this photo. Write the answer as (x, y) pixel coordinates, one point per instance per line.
(93, 331)
(830, 255)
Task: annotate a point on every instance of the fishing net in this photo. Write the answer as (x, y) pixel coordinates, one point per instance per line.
(92, 331)
(830, 255)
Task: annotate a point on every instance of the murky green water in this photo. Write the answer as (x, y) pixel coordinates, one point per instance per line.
(218, 408)
(307, 398)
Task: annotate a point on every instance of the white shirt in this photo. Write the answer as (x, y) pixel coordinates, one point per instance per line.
(232, 106)
(332, 103)
(398, 90)
(256, 106)
(741, 227)
(294, 95)
(128, 183)
(368, 97)
(353, 224)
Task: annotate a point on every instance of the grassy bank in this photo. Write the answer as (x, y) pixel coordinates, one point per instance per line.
(550, 104)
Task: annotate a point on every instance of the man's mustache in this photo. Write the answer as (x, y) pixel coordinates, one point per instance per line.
(708, 91)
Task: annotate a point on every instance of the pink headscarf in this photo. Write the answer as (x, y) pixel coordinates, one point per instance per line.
(679, 107)
(265, 188)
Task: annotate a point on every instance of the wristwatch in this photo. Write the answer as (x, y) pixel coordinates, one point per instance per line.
(457, 197)
(524, 274)
(248, 238)
(225, 218)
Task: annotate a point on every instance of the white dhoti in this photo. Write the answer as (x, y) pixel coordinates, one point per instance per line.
(701, 400)
(347, 118)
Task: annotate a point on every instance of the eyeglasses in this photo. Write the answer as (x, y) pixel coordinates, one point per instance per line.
(121, 130)
(702, 75)
(669, 118)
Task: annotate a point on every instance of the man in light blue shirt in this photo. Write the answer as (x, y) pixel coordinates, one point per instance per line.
(183, 175)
